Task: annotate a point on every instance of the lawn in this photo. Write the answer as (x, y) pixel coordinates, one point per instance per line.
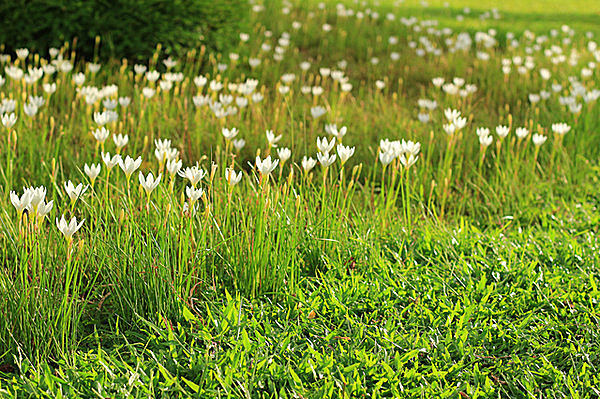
(358, 200)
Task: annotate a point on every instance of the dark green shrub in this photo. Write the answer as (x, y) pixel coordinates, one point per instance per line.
(128, 28)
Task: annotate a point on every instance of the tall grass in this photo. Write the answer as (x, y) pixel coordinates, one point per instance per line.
(146, 254)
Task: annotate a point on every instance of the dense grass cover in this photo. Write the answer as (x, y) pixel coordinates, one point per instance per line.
(356, 201)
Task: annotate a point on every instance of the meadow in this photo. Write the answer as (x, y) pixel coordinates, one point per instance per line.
(395, 199)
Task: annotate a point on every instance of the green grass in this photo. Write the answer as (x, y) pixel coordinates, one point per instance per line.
(539, 16)
(472, 273)
(492, 312)
(552, 7)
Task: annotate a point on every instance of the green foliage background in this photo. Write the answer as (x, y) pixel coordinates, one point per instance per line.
(128, 28)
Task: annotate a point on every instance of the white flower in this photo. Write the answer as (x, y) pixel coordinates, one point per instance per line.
(14, 72)
(64, 66)
(215, 86)
(231, 177)
(325, 159)
(407, 160)
(130, 165)
(93, 67)
(561, 128)
(37, 195)
(49, 69)
(22, 53)
(110, 103)
(148, 92)
(284, 154)
(68, 229)
(410, 147)
(345, 152)
(139, 69)
(165, 85)
(79, 78)
(460, 123)
(538, 139)
(44, 209)
(317, 111)
(485, 140)
(239, 144)
(346, 87)
(450, 88)
(30, 109)
(101, 134)
(200, 81)
(9, 120)
(73, 191)
(324, 71)
(308, 164)
(49, 87)
(451, 114)
(305, 65)
(545, 73)
(386, 145)
(333, 130)
(534, 98)
(229, 133)
(124, 101)
(92, 171)
(193, 173)
(266, 166)
(173, 166)
(22, 203)
(380, 84)
(193, 193)
(386, 157)
(272, 139)
(110, 162)
(323, 145)
(149, 183)
(449, 128)
(120, 140)
(458, 81)
(152, 76)
(241, 102)
(169, 63)
(254, 62)
(502, 131)
(483, 131)
(162, 145)
(200, 100)
(101, 118)
(7, 105)
(521, 132)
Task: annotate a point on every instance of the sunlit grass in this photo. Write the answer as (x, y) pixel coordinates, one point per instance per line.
(350, 202)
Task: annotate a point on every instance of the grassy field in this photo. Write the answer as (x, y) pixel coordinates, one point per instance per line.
(332, 218)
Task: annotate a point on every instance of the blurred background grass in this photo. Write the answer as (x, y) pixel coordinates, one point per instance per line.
(515, 15)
